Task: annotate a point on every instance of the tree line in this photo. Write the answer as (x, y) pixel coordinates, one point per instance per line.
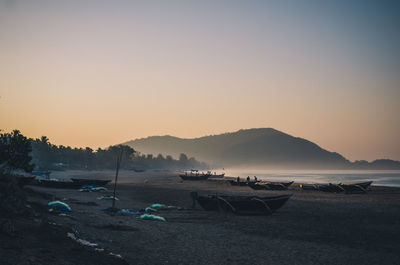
(40, 154)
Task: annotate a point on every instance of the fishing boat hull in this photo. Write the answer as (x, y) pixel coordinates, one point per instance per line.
(357, 187)
(217, 176)
(337, 188)
(58, 184)
(269, 185)
(364, 185)
(243, 205)
(309, 186)
(238, 183)
(195, 177)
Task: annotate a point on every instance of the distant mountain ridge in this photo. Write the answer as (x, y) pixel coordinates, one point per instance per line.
(262, 147)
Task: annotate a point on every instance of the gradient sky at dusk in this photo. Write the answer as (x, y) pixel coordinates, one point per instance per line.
(96, 73)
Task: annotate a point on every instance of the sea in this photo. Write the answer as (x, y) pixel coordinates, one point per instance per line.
(379, 177)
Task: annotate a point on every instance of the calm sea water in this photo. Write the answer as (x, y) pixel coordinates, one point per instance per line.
(379, 177)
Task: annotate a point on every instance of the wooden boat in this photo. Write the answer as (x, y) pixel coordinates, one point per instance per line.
(287, 184)
(97, 182)
(364, 185)
(309, 186)
(336, 188)
(239, 183)
(243, 205)
(264, 185)
(217, 175)
(322, 187)
(348, 188)
(57, 184)
(194, 176)
(356, 188)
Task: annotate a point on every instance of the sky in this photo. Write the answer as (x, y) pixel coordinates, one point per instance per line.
(97, 73)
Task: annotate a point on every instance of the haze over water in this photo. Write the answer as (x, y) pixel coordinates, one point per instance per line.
(379, 177)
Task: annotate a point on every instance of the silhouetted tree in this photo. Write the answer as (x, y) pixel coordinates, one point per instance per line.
(49, 156)
(183, 158)
(14, 151)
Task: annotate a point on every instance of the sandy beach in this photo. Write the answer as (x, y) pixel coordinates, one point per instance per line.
(312, 228)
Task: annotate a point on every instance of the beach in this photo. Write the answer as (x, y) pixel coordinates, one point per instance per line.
(313, 227)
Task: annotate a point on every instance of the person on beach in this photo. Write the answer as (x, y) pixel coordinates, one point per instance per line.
(248, 178)
(238, 179)
(255, 179)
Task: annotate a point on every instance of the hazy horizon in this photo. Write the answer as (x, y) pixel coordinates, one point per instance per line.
(98, 73)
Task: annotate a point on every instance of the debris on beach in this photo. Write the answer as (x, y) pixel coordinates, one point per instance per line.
(115, 255)
(59, 206)
(90, 188)
(128, 212)
(149, 210)
(152, 217)
(81, 241)
(90, 244)
(155, 207)
(159, 206)
(108, 198)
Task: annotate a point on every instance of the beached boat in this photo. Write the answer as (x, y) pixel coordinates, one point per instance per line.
(262, 185)
(215, 175)
(265, 185)
(364, 185)
(97, 182)
(309, 186)
(195, 175)
(239, 183)
(243, 205)
(57, 184)
(336, 188)
(356, 188)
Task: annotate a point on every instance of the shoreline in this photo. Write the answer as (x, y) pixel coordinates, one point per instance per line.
(129, 176)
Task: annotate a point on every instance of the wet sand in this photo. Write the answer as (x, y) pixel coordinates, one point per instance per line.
(312, 228)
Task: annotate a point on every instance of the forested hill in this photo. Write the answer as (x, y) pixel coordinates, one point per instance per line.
(264, 147)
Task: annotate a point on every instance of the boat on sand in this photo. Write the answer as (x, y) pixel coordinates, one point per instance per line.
(361, 187)
(195, 175)
(262, 185)
(357, 187)
(266, 185)
(243, 205)
(57, 184)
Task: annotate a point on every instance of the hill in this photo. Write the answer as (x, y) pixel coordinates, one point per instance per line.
(264, 147)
